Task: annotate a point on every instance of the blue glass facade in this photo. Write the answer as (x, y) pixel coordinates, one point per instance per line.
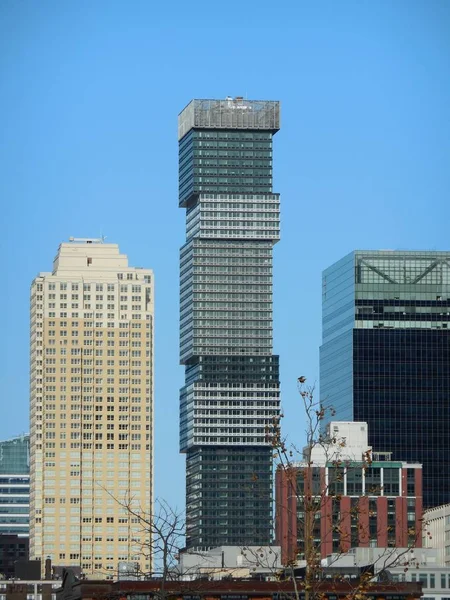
(336, 372)
(15, 486)
(231, 390)
(385, 355)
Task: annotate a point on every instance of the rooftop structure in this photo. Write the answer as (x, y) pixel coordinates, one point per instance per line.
(231, 113)
(230, 561)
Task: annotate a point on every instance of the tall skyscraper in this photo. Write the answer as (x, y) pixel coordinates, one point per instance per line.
(231, 389)
(91, 407)
(386, 353)
(15, 486)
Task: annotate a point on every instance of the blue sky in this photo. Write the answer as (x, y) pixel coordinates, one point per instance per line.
(90, 93)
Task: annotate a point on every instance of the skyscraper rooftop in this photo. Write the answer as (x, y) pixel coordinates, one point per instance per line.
(231, 113)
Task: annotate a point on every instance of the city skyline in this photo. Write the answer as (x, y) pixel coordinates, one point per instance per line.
(91, 99)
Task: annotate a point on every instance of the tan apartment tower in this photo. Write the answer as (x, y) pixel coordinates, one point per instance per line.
(91, 394)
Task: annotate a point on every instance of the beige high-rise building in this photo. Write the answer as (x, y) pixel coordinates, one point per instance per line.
(91, 438)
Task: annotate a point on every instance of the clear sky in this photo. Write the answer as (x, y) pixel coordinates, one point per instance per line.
(90, 93)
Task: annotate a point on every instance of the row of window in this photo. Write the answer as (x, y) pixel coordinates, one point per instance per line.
(110, 324)
(98, 297)
(98, 287)
(237, 161)
(90, 446)
(99, 352)
(232, 135)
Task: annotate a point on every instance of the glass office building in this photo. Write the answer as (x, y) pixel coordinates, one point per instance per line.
(385, 355)
(15, 486)
(231, 390)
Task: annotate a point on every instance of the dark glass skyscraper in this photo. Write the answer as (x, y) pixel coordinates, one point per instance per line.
(385, 355)
(231, 390)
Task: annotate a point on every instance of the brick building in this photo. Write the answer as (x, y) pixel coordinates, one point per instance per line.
(232, 589)
(359, 498)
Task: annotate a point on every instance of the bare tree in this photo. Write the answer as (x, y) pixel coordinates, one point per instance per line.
(319, 515)
(157, 538)
(163, 535)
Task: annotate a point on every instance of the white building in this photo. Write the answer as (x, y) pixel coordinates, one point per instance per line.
(226, 561)
(343, 440)
(402, 564)
(437, 532)
(91, 395)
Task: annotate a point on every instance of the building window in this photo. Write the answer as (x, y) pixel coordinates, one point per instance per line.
(391, 486)
(354, 482)
(373, 481)
(410, 482)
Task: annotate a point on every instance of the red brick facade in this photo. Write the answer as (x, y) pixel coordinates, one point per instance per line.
(346, 521)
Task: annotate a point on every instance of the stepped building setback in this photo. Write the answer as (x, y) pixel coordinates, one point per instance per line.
(231, 387)
(91, 408)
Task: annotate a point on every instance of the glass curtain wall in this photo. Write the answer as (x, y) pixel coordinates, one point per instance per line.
(231, 388)
(385, 355)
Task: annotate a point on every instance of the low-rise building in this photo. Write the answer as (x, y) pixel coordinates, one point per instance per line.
(437, 532)
(401, 565)
(350, 496)
(12, 549)
(230, 561)
(229, 589)
(24, 589)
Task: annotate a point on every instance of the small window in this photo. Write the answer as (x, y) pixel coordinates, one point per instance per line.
(89, 261)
